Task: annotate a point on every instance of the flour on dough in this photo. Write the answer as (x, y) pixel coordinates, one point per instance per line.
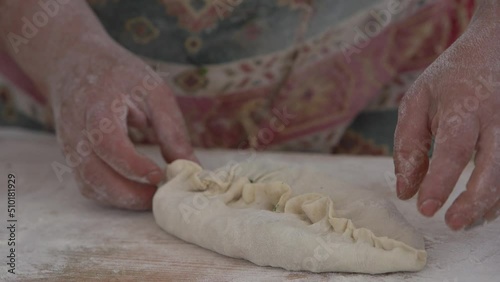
(279, 215)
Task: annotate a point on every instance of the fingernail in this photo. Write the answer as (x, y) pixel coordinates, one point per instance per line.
(458, 221)
(429, 207)
(155, 177)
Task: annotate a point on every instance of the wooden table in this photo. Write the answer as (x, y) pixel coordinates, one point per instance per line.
(62, 236)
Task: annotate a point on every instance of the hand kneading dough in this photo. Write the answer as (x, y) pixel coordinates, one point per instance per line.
(286, 216)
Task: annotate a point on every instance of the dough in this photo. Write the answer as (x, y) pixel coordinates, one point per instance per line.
(276, 214)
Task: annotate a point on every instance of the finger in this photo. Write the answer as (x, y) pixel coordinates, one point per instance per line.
(482, 192)
(493, 213)
(139, 135)
(453, 149)
(169, 126)
(138, 125)
(136, 118)
(107, 133)
(87, 191)
(112, 188)
(412, 141)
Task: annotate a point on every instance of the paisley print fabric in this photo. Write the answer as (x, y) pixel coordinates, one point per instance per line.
(305, 75)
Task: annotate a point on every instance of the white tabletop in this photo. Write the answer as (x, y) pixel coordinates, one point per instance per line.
(61, 235)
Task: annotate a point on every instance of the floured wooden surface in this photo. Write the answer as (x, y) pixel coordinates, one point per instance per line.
(63, 236)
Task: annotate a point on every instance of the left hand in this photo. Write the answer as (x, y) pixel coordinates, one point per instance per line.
(456, 101)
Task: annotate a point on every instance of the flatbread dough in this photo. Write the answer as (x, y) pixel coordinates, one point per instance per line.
(276, 214)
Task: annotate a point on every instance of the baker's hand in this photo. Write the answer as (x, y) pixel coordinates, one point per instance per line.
(100, 90)
(456, 102)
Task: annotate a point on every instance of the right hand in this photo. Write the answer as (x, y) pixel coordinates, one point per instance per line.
(100, 89)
